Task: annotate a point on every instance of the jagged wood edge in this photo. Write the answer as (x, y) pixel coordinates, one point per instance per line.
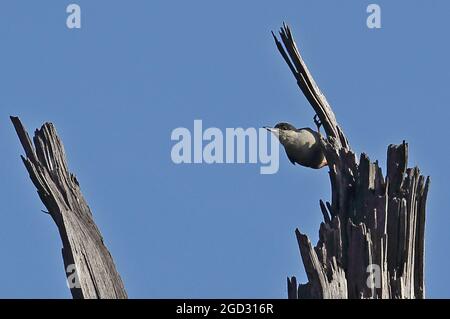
(336, 266)
(60, 192)
(308, 85)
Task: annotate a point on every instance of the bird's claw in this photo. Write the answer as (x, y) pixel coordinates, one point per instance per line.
(317, 122)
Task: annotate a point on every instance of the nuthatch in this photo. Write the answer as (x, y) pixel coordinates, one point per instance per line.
(302, 145)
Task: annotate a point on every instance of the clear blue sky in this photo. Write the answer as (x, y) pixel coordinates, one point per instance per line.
(138, 69)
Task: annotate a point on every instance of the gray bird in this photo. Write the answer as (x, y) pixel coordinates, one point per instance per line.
(302, 145)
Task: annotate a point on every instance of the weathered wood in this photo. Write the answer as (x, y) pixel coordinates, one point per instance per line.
(373, 225)
(83, 247)
(308, 86)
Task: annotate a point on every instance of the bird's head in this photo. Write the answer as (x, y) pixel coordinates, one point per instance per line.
(281, 130)
(285, 126)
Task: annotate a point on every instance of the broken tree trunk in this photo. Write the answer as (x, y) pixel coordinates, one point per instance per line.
(371, 243)
(90, 269)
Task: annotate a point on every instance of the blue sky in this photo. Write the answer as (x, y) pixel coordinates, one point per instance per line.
(116, 88)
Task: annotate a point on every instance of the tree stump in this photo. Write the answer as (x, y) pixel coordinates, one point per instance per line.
(89, 266)
(371, 242)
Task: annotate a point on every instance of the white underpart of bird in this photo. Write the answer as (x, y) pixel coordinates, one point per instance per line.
(302, 146)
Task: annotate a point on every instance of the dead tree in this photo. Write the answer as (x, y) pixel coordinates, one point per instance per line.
(90, 269)
(371, 242)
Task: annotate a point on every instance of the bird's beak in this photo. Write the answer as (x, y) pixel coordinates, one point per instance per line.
(273, 130)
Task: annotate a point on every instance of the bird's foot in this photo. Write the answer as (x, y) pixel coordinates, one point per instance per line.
(317, 122)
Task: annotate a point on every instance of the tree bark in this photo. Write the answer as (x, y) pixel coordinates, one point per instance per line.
(89, 266)
(371, 243)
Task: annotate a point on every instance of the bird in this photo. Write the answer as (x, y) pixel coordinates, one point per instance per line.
(302, 145)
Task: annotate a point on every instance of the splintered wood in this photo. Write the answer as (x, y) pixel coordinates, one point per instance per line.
(371, 243)
(89, 266)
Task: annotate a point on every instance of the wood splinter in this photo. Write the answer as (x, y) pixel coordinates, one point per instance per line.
(84, 253)
(371, 243)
